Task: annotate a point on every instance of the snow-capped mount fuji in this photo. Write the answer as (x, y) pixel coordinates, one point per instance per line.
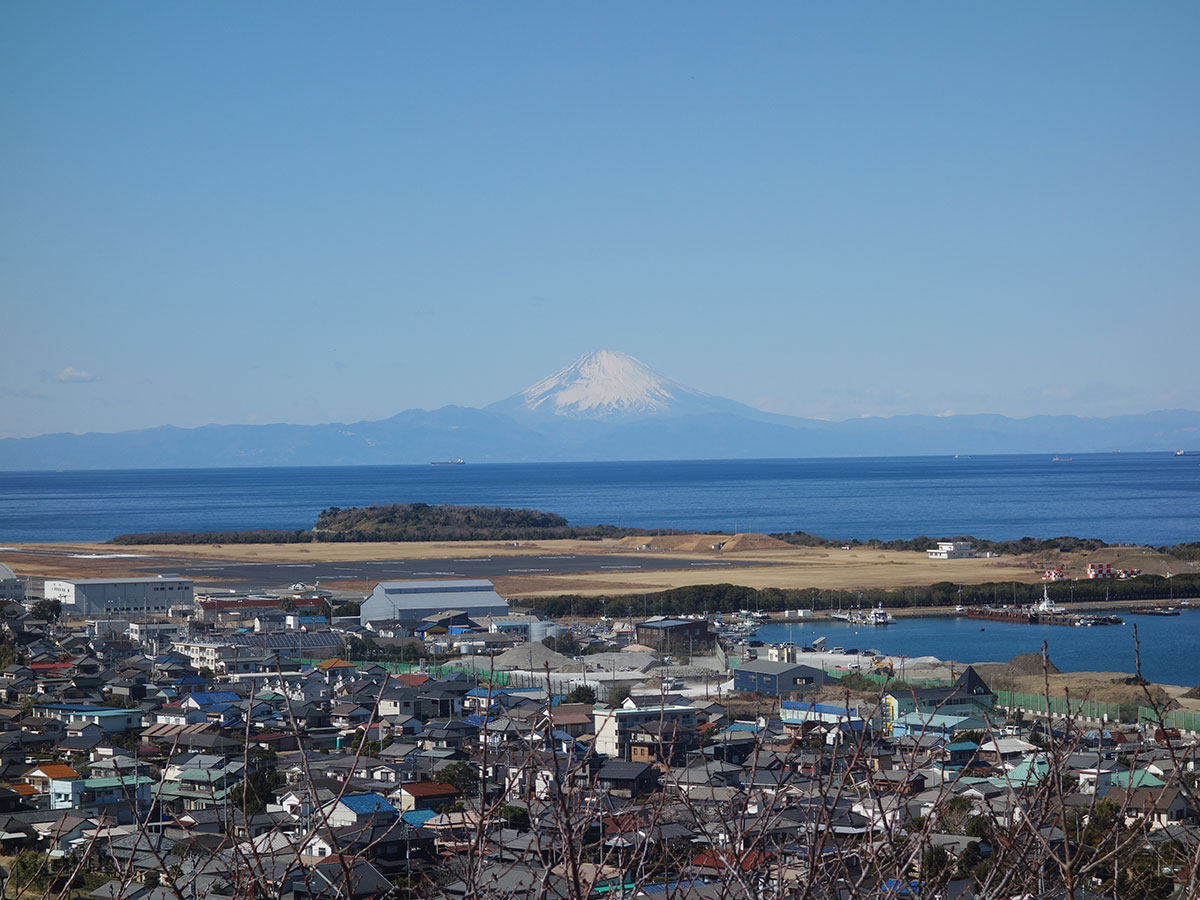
(605, 406)
(607, 386)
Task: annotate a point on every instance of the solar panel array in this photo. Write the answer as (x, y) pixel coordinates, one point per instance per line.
(292, 640)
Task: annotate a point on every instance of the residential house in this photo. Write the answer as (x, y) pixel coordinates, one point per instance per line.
(357, 809)
(125, 799)
(1159, 807)
(425, 795)
(626, 779)
(665, 743)
(968, 696)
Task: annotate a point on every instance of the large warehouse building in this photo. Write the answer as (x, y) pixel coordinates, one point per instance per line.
(412, 601)
(11, 587)
(97, 596)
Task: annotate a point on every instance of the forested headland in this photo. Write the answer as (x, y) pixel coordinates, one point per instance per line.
(405, 522)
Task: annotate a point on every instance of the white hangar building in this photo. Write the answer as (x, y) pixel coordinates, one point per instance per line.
(97, 596)
(408, 601)
(11, 586)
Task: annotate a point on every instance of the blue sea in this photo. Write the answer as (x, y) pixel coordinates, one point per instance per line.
(1143, 498)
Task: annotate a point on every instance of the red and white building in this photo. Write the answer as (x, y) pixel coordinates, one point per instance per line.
(1053, 575)
(1100, 570)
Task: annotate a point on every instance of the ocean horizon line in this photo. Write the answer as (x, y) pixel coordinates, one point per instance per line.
(1054, 456)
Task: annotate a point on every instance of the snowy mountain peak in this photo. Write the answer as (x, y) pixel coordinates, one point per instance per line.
(603, 384)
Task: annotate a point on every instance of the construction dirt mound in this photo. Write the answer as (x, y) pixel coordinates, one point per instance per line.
(692, 543)
(1104, 687)
(1193, 694)
(754, 541)
(535, 657)
(997, 675)
(1031, 664)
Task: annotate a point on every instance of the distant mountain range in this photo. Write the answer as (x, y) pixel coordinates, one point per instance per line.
(604, 406)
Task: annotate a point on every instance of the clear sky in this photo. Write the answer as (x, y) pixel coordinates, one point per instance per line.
(310, 212)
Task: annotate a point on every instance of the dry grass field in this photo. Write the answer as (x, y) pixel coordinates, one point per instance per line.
(794, 567)
(789, 566)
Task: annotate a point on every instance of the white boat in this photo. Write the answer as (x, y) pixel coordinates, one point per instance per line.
(1046, 606)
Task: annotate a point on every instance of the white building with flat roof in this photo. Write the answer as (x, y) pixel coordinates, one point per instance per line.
(102, 596)
(953, 550)
(615, 724)
(155, 636)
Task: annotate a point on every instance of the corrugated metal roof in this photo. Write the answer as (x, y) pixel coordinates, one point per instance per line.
(152, 580)
(436, 587)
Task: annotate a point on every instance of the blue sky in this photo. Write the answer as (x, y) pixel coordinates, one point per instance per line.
(307, 213)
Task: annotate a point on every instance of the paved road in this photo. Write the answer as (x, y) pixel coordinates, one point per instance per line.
(274, 575)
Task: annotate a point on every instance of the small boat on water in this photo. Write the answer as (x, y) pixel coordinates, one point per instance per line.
(876, 616)
(880, 616)
(449, 462)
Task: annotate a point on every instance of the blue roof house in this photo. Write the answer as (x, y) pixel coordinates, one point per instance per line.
(359, 809)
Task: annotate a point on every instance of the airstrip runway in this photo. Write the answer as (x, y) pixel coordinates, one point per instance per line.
(242, 575)
(343, 573)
